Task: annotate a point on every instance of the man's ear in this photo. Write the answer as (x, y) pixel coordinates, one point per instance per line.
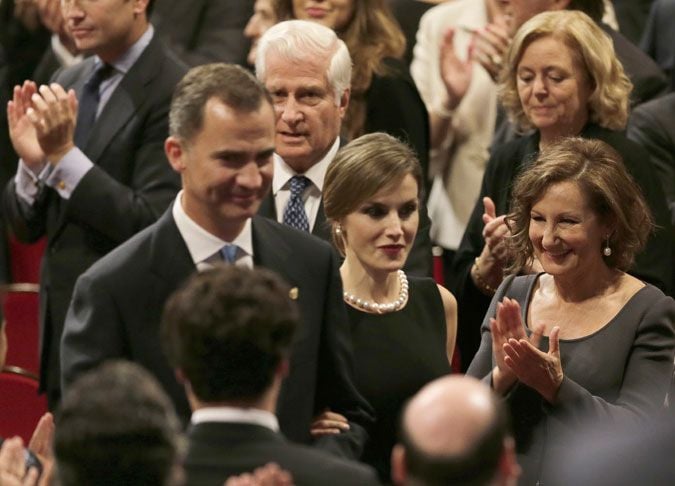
(344, 102)
(398, 469)
(140, 6)
(173, 148)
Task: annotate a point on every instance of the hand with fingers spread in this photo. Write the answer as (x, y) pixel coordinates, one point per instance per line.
(508, 325)
(328, 423)
(539, 370)
(268, 475)
(21, 130)
(455, 73)
(53, 115)
(490, 45)
(41, 441)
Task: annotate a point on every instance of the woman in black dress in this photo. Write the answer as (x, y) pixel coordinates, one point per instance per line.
(403, 328)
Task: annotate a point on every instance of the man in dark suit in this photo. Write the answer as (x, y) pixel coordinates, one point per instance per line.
(228, 333)
(222, 142)
(91, 186)
(310, 100)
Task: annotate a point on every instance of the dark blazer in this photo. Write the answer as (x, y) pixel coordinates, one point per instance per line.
(117, 305)
(653, 264)
(129, 186)
(218, 450)
(203, 31)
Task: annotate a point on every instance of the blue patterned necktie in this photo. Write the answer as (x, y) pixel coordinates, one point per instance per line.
(229, 253)
(294, 214)
(88, 104)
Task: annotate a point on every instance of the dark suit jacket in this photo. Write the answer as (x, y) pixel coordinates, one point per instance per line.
(203, 31)
(117, 305)
(129, 186)
(218, 450)
(652, 125)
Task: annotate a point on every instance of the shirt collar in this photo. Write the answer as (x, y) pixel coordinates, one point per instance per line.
(316, 173)
(201, 244)
(236, 415)
(123, 63)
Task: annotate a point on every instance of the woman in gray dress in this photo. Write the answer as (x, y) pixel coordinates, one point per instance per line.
(582, 339)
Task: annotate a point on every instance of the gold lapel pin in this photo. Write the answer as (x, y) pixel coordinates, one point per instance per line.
(293, 293)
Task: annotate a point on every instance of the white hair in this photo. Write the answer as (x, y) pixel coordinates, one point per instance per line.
(299, 40)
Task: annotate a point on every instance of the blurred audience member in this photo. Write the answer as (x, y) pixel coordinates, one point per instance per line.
(203, 31)
(582, 339)
(408, 14)
(652, 125)
(117, 427)
(561, 79)
(644, 73)
(455, 431)
(632, 17)
(307, 69)
(228, 333)
(454, 61)
(383, 95)
(403, 329)
(262, 19)
(90, 186)
(658, 39)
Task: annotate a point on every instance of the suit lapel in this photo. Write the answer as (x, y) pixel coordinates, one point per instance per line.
(171, 260)
(269, 251)
(267, 207)
(125, 100)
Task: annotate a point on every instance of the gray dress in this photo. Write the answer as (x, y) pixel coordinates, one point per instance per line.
(620, 372)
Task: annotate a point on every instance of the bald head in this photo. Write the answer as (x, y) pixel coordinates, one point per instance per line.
(454, 430)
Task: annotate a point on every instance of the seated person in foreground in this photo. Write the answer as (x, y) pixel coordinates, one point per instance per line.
(228, 333)
(117, 427)
(582, 338)
(455, 431)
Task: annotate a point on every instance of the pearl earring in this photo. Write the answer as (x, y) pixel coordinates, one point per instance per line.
(607, 251)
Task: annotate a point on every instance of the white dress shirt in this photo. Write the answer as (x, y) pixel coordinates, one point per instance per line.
(236, 415)
(281, 184)
(204, 247)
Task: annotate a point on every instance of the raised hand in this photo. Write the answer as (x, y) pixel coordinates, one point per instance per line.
(53, 116)
(508, 325)
(539, 370)
(21, 130)
(328, 423)
(455, 73)
(491, 43)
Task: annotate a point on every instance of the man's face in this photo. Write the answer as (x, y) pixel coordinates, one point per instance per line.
(104, 27)
(308, 117)
(517, 12)
(226, 168)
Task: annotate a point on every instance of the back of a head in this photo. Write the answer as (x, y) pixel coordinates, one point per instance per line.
(116, 427)
(227, 329)
(595, 9)
(453, 431)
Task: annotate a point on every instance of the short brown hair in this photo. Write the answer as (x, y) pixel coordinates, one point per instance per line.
(362, 168)
(593, 50)
(601, 176)
(231, 84)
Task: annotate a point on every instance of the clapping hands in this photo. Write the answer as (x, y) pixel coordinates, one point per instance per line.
(517, 356)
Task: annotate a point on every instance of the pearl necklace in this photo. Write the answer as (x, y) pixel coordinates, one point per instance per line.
(370, 306)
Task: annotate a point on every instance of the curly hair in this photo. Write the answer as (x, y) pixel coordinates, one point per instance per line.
(608, 187)
(372, 35)
(360, 170)
(592, 49)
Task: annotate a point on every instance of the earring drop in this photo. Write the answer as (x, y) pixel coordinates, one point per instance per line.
(338, 229)
(607, 251)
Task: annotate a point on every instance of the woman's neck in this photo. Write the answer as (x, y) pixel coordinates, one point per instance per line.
(369, 284)
(593, 283)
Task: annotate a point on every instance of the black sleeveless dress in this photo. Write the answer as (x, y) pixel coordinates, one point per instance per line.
(395, 355)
